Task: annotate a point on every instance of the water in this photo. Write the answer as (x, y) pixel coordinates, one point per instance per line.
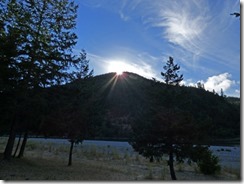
(115, 144)
(228, 155)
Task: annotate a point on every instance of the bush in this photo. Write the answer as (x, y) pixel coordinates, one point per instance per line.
(209, 163)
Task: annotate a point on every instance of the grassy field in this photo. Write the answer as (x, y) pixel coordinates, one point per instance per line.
(48, 161)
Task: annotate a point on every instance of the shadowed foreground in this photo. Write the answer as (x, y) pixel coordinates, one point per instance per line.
(90, 170)
(43, 169)
(48, 161)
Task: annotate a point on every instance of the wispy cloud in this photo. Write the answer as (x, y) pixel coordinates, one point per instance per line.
(181, 25)
(123, 16)
(130, 60)
(196, 26)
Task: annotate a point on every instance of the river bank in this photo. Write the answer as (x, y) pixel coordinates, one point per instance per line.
(46, 159)
(229, 156)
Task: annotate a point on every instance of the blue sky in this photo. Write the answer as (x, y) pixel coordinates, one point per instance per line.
(139, 36)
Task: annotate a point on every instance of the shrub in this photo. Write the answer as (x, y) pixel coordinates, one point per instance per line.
(209, 163)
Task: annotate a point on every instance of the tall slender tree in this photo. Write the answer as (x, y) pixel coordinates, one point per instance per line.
(170, 75)
(37, 38)
(70, 103)
(163, 131)
(166, 127)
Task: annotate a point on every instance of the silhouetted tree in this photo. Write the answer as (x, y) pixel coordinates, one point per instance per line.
(38, 39)
(70, 103)
(17, 147)
(200, 85)
(77, 111)
(170, 124)
(31, 115)
(76, 120)
(82, 70)
(170, 75)
(164, 131)
(22, 148)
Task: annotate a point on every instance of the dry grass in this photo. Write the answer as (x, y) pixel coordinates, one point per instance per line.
(44, 169)
(48, 161)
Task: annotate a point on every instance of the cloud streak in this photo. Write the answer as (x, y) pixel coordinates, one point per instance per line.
(181, 25)
(198, 27)
(131, 60)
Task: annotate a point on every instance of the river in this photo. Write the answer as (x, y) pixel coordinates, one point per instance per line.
(228, 155)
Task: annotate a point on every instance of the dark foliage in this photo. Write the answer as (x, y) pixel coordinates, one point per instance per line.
(113, 104)
(207, 162)
(37, 39)
(170, 75)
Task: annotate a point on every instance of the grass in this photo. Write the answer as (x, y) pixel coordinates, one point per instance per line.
(48, 161)
(232, 171)
(44, 169)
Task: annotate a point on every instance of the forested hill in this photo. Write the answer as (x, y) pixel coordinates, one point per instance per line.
(117, 100)
(109, 106)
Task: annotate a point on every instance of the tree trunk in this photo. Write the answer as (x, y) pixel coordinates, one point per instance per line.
(22, 148)
(17, 147)
(171, 165)
(70, 152)
(10, 144)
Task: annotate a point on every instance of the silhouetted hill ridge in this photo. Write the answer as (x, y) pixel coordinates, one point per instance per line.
(119, 98)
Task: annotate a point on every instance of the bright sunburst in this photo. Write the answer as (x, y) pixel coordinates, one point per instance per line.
(118, 66)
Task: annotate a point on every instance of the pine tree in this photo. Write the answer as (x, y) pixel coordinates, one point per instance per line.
(37, 39)
(170, 75)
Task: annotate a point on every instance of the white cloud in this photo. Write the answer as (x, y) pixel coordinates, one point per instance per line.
(198, 27)
(203, 29)
(183, 23)
(188, 82)
(130, 60)
(218, 82)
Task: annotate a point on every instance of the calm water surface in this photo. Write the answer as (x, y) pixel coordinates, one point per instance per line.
(228, 155)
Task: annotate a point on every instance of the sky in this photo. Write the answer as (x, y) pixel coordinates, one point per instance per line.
(139, 36)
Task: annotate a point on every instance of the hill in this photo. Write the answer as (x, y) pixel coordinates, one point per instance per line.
(106, 107)
(117, 99)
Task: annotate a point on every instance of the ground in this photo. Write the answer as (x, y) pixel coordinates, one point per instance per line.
(48, 161)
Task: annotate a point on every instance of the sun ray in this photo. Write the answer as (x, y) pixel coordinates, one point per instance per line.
(103, 88)
(113, 85)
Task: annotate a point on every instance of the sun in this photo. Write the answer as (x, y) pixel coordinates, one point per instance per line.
(117, 66)
(119, 72)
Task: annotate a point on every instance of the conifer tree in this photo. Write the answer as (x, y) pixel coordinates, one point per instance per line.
(170, 75)
(37, 39)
